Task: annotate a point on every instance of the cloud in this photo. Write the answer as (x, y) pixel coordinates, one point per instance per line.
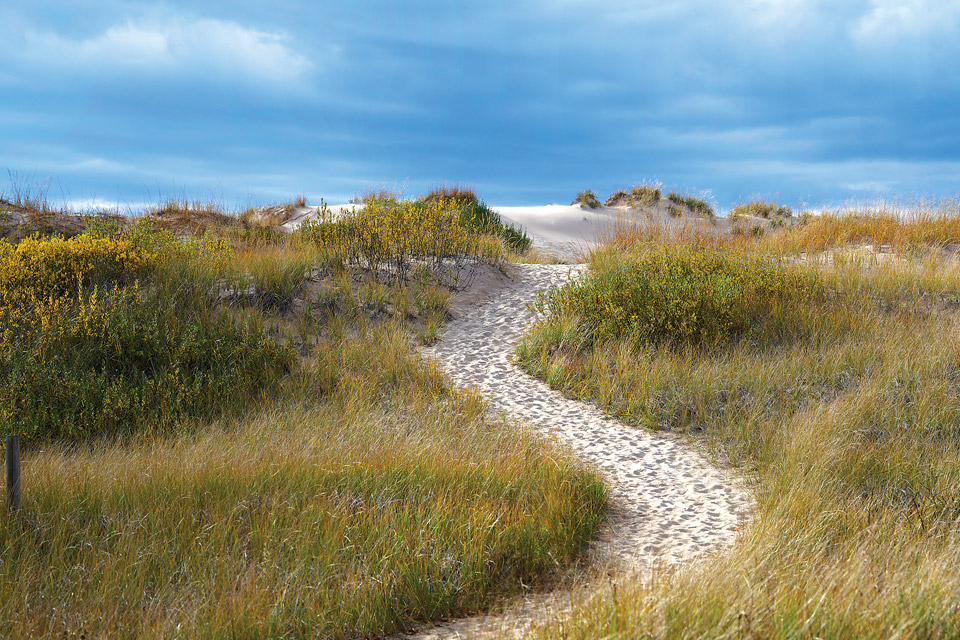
(178, 45)
(889, 21)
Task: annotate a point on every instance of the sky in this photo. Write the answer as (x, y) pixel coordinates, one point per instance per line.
(528, 101)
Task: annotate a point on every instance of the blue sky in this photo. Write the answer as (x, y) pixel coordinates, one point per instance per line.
(250, 102)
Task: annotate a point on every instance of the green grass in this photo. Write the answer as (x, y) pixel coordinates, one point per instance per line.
(697, 206)
(842, 407)
(370, 499)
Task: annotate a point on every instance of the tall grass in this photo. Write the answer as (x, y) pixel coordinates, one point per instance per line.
(910, 228)
(227, 436)
(356, 507)
(848, 428)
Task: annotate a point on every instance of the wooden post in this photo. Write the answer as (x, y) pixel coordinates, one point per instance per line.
(13, 472)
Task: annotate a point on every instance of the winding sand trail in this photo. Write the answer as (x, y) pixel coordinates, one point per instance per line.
(668, 504)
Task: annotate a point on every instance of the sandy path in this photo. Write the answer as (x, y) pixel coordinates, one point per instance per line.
(669, 504)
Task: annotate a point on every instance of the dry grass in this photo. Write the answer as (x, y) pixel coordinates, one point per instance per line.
(272, 215)
(387, 501)
(362, 497)
(184, 217)
(844, 410)
(910, 228)
(456, 193)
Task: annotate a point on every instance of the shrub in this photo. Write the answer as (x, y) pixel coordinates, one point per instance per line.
(586, 199)
(482, 219)
(389, 239)
(679, 294)
(88, 349)
(476, 215)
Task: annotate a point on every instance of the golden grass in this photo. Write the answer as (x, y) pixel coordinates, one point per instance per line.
(389, 501)
(847, 427)
(454, 192)
(362, 497)
(900, 228)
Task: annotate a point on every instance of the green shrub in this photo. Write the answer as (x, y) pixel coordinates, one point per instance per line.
(87, 350)
(679, 294)
(476, 215)
(481, 218)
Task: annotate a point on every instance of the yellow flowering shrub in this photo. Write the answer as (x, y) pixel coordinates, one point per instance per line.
(389, 239)
(111, 335)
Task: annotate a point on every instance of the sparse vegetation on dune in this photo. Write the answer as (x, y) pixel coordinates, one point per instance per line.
(839, 401)
(697, 206)
(272, 215)
(586, 199)
(912, 229)
(230, 434)
(766, 210)
(640, 196)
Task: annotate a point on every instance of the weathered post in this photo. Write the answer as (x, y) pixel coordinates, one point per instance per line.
(13, 472)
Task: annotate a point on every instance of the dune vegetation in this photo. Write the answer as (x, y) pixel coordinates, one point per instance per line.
(229, 433)
(828, 372)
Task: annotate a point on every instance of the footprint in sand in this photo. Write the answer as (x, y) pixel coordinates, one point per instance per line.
(671, 504)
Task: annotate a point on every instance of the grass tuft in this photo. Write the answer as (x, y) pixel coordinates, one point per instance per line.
(586, 199)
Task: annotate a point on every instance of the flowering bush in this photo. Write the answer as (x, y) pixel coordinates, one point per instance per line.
(389, 239)
(99, 337)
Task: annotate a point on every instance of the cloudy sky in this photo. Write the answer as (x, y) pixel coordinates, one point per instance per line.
(246, 102)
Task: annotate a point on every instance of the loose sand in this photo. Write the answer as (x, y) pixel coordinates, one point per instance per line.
(668, 504)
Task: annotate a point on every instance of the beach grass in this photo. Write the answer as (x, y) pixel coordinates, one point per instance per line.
(839, 404)
(232, 435)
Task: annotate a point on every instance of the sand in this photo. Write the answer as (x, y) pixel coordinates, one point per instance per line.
(567, 232)
(669, 504)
